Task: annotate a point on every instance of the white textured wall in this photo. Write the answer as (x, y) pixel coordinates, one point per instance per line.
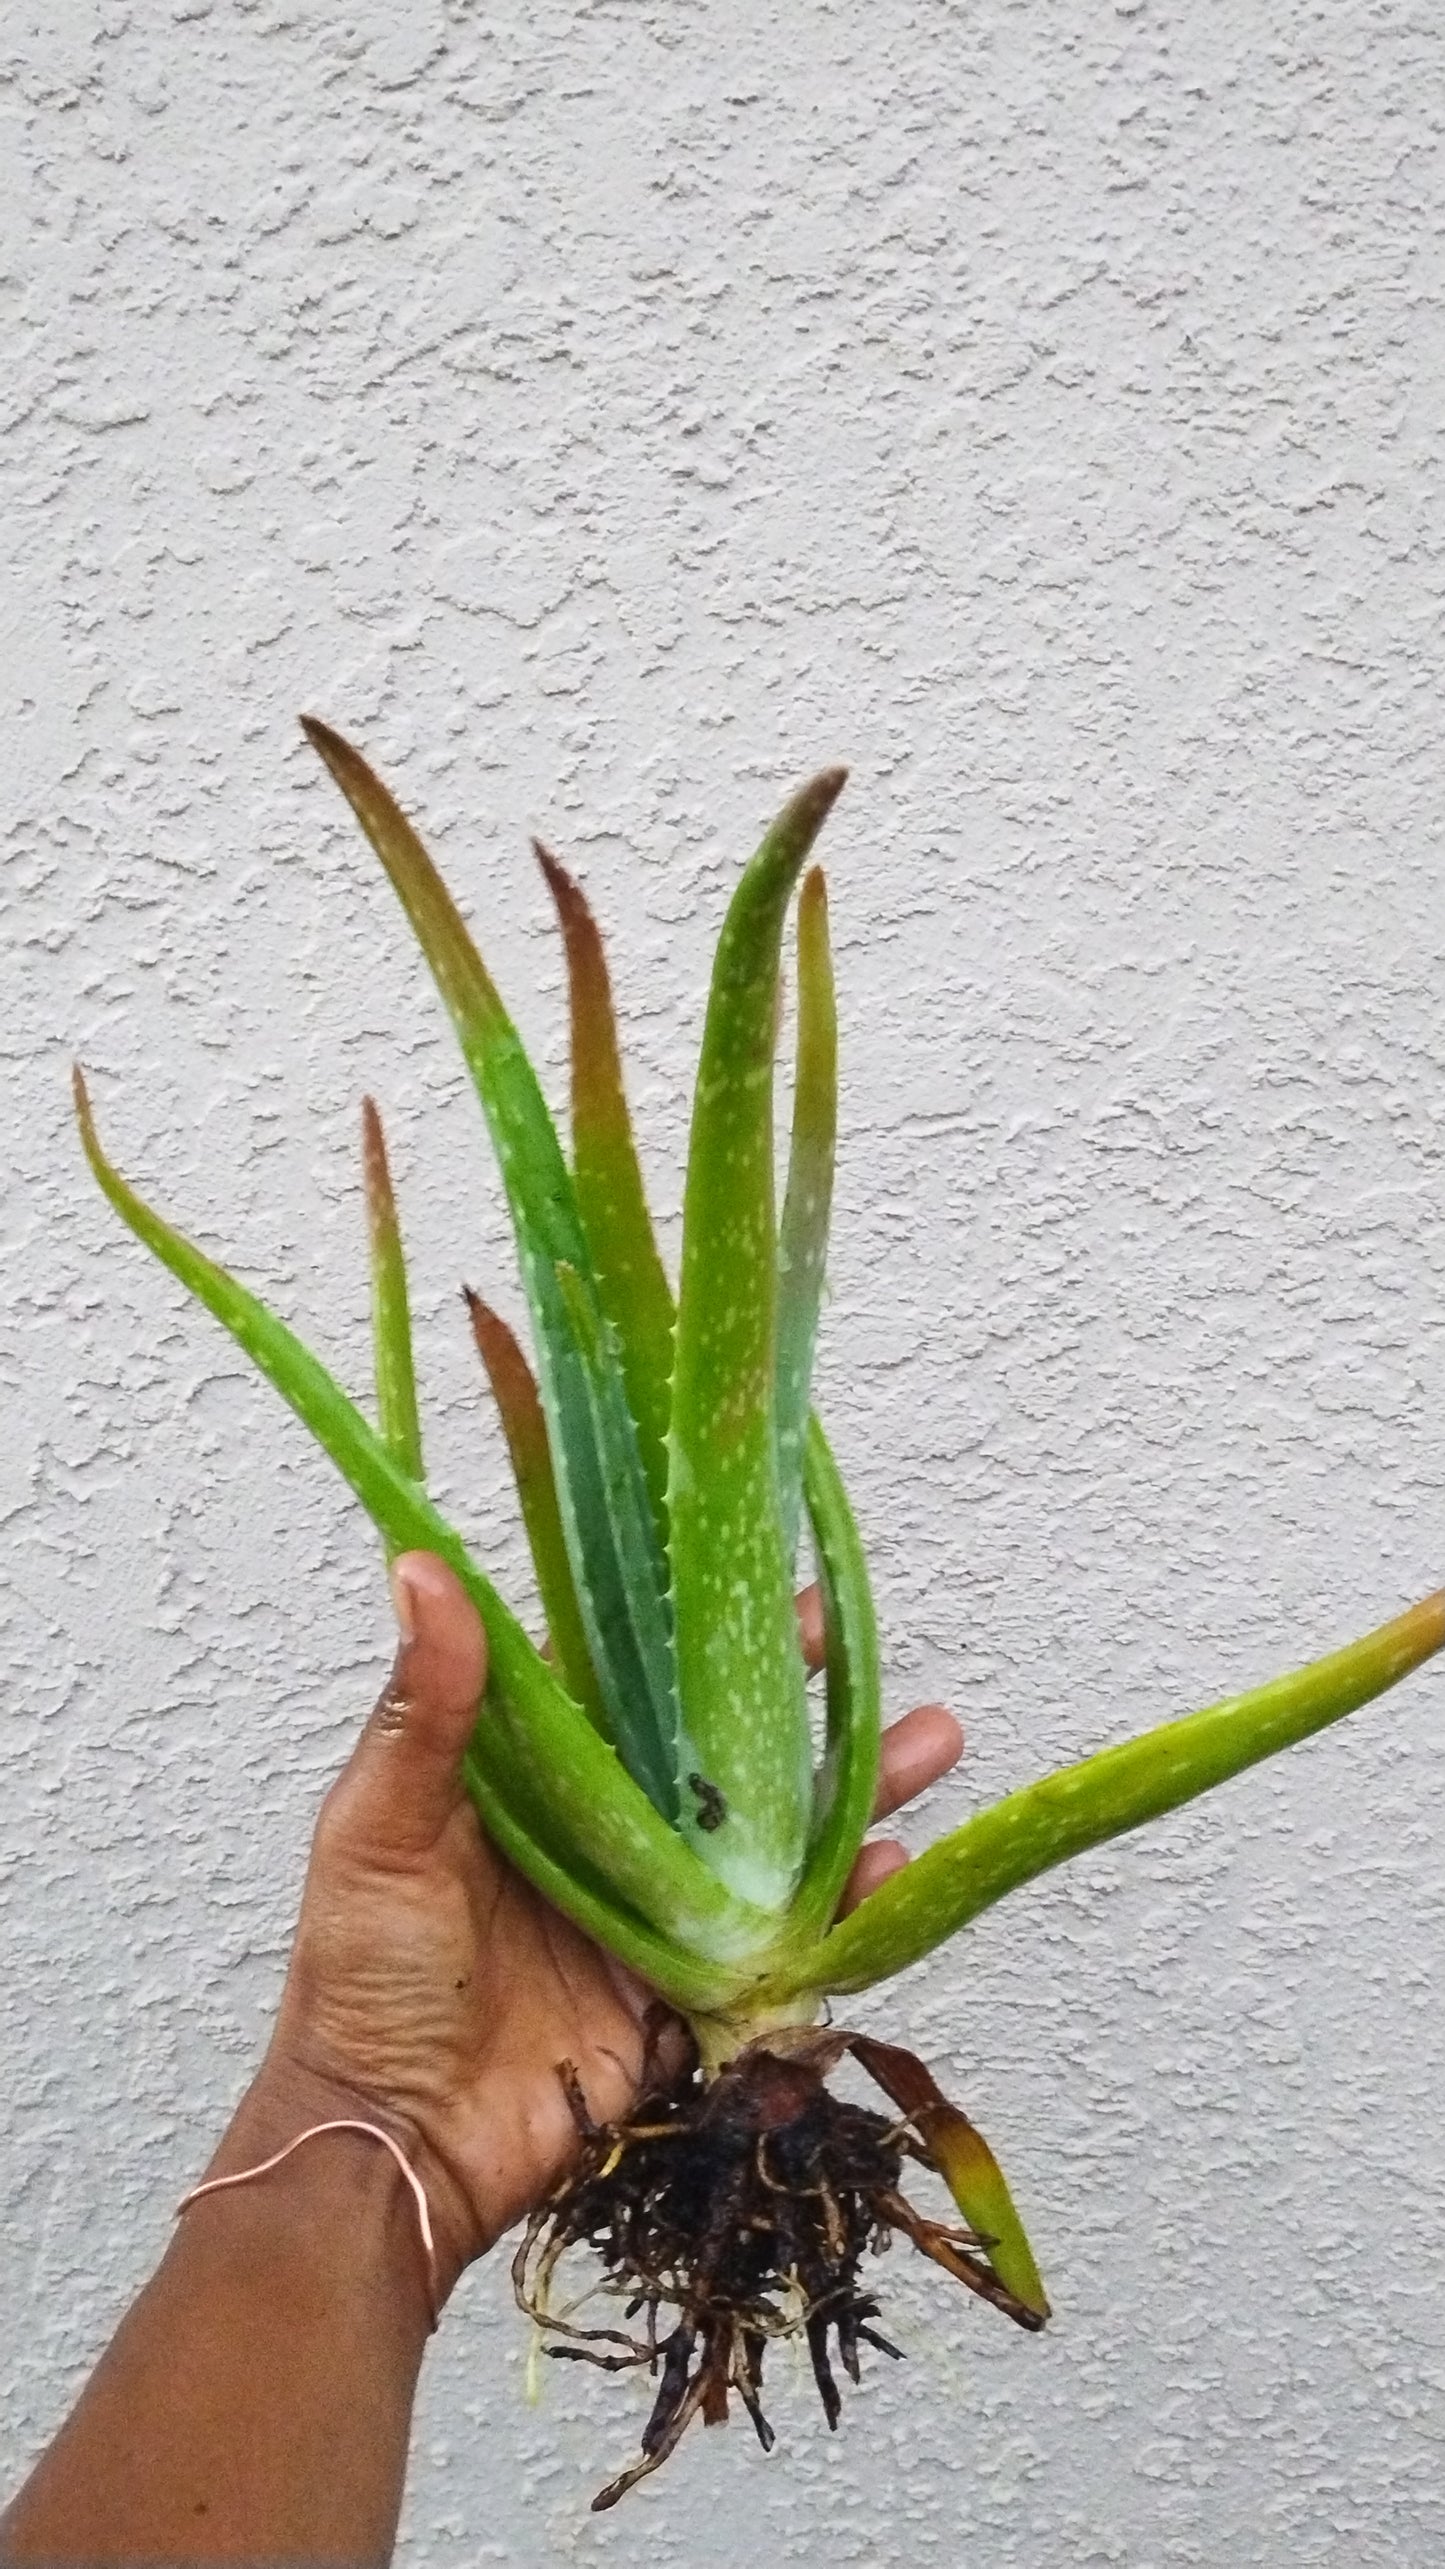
(607, 413)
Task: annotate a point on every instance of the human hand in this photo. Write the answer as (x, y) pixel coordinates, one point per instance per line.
(431, 1988)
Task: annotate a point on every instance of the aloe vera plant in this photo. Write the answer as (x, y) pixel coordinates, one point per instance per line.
(651, 1770)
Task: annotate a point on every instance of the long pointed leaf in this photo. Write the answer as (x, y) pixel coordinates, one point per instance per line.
(596, 1801)
(967, 2165)
(848, 1782)
(631, 1280)
(740, 1671)
(629, 1526)
(803, 1232)
(395, 1371)
(593, 1435)
(1081, 1806)
(519, 1407)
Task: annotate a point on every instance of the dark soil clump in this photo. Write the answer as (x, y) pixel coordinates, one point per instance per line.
(725, 2214)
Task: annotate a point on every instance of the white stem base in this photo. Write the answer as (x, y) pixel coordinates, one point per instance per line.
(719, 2039)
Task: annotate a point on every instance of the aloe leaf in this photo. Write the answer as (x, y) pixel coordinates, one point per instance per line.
(1081, 1806)
(651, 1760)
(396, 1407)
(631, 1280)
(848, 1780)
(967, 2165)
(596, 1801)
(593, 1435)
(519, 1407)
(500, 1778)
(740, 1670)
(807, 1203)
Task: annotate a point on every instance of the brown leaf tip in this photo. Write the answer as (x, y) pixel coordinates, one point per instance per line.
(813, 802)
(335, 751)
(566, 891)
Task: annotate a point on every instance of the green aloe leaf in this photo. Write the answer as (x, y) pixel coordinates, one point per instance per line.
(595, 1800)
(807, 1203)
(631, 1280)
(396, 1407)
(967, 2165)
(1081, 1806)
(593, 1435)
(519, 1406)
(740, 1670)
(848, 1781)
(511, 1801)
(654, 1762)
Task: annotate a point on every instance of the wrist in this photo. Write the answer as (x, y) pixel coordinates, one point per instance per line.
(342, 2195)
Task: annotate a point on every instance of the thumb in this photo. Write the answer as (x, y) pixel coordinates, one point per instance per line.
(403, 1780)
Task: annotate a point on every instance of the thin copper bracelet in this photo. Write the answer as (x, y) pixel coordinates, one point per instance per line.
(344, 2123)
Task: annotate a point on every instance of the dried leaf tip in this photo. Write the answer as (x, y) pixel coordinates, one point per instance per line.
(574, 916)
(376, 1180)
(556, 872)
(813, 802)
(488, 1326)
(351, 771)
(373, 1141)
(1421, 1630)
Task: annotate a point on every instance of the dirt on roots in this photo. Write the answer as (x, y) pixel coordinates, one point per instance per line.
(728, 2213)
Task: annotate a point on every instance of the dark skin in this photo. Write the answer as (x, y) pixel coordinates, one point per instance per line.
(256, 2400)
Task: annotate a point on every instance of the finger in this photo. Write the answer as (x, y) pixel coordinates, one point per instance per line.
(810, 1627)
(876, 1861)
(916, 1751)
(403, 1780)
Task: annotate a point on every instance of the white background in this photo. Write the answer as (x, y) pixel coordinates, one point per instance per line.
(608, 414)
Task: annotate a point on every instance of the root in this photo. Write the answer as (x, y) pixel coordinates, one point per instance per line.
(726, 2215)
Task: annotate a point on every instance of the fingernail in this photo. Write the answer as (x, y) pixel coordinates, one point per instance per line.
(403, 1598)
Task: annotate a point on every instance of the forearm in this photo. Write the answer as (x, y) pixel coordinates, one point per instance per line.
(256, 2401)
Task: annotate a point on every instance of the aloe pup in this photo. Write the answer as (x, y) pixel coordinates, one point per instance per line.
(651, 1769)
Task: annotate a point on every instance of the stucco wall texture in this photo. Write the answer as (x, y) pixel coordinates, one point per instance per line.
(607, 414)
